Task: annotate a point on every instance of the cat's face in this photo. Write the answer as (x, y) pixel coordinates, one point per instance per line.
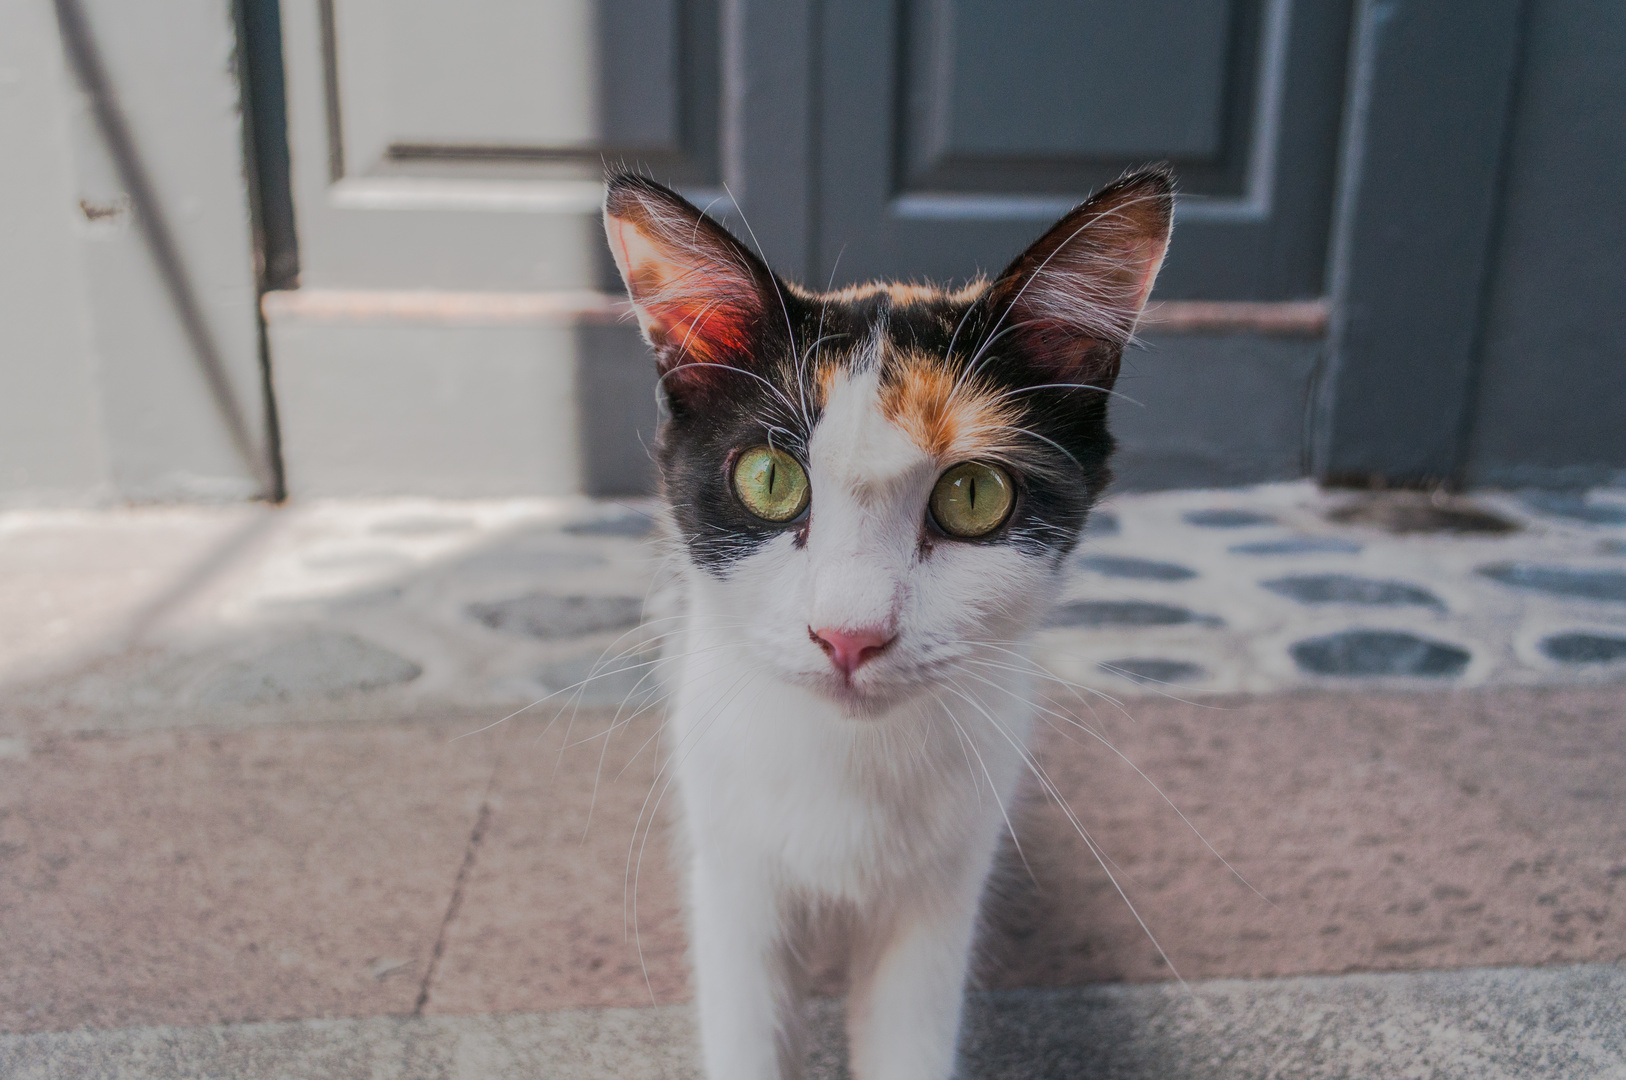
(871, 483)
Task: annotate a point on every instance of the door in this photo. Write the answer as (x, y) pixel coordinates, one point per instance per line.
(453, 331)
(446, 164)
(460, 146)
(955, 130)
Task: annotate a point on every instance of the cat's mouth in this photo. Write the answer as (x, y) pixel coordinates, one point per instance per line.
(858, 700)
(865, 694)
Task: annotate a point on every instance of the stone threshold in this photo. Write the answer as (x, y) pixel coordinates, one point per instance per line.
(1485, 1024)
(436, 307)
(1294, 318)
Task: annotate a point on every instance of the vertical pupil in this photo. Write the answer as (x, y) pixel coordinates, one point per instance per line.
(770, 475)
(971, 491)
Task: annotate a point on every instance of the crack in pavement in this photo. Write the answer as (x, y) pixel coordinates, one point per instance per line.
(481, 821)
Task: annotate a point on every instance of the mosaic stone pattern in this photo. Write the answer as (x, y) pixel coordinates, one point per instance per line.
(391, 604)
(1335, 589)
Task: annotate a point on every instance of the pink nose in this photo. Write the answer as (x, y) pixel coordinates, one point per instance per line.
(848, 649)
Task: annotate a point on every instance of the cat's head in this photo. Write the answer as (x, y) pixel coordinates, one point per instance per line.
(870, 483)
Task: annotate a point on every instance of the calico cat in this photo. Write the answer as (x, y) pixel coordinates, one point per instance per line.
(874, 492)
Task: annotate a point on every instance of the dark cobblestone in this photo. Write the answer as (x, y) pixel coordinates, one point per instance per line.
(1123, 566)
(1349, 589)
(1227, 519)
(596, 680)
(544, 615)
(1377, 653)
(1102, 523)
(1299, 545)
(1558, 580)
(1145, 669)
(1081, 613)
(635, 526)
(322, 664)
(1574, 505)
(1582, 648)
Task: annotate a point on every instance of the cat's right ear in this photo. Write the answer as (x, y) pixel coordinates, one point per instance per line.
(699, 294)
(1070, 301)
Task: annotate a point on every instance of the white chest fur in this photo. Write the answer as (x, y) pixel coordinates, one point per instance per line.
(790, 804)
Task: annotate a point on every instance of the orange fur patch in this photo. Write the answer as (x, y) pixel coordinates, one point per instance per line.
(951, 423)
(824, 382)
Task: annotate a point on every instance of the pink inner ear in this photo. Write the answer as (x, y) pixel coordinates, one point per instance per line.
(1081, 305)
(1075, 295)
(691, 306)
(699, 329)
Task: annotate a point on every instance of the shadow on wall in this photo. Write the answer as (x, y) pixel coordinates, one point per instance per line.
(1212, 411)
(84, 56)
(465, 396)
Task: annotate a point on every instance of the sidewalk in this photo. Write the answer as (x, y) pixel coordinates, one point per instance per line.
(237, 818)
(1505, 1024)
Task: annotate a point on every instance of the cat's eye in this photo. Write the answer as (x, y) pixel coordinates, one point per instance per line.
(772, 484)
(972, 499)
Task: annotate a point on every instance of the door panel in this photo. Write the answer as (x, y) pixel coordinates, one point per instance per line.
(955, 130)
(510, 80)
(1006, 79)
(462, 146)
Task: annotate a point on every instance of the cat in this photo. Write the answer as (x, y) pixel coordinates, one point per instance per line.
(873, 493)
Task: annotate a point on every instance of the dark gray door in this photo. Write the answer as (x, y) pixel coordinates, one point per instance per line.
(952, 131)
(461, 146)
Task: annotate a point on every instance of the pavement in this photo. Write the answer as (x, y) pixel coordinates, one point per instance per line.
(261, 813)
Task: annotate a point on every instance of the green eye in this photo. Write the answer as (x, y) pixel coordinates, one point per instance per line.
(771, 483)
(972, 499)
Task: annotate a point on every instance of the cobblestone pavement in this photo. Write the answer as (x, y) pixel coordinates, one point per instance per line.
(248, 782)
(158, 616)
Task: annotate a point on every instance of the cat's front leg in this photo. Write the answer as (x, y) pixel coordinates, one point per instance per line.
(748, 989)
(903, 1017)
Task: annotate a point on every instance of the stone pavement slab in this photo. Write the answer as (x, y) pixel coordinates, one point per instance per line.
(1385, 832)
(547, 917)
(202, 876)
(1553, 1024)
(1388, 832)
(195, 876)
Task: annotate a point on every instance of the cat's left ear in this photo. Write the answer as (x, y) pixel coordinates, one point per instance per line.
(699, 294)
(1070, 302)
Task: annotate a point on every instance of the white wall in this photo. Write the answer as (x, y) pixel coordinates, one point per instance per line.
(51, 444)
(101, 393)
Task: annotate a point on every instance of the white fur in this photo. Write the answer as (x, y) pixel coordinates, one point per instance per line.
(882, 802)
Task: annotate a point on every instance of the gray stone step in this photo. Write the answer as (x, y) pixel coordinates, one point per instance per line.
(1565, 1023)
